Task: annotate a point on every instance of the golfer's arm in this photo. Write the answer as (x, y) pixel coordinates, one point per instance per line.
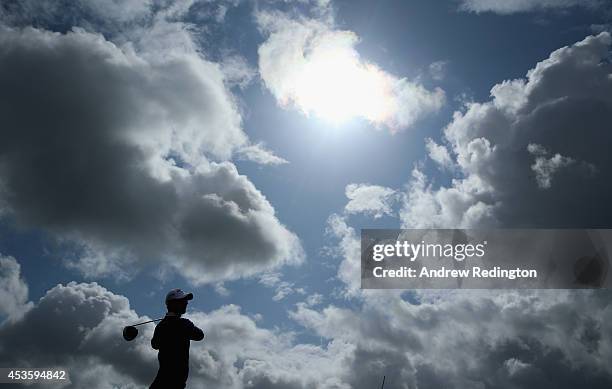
(196, 334)
(155, 341)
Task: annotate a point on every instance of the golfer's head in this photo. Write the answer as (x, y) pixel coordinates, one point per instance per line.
(176, 301)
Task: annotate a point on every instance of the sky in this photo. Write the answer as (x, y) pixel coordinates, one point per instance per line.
(236, 148)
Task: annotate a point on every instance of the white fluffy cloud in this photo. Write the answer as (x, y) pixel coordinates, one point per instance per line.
(374, 200)
(348, 248)
(463, 338)
(281, 288)
(258, 153)
(468, 339)
(78, 326)
(544, 168)
(312, 66)
(439, 154)
(513, 6)
(13, 289)
(506, 340)
(125, 152)
(500, 148)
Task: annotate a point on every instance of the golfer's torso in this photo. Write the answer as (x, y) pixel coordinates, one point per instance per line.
(173, 334)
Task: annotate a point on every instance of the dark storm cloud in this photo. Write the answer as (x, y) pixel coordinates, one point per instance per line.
(536, 155)
(89, 138)
(62, 13)
(506, 7)
(109, 16)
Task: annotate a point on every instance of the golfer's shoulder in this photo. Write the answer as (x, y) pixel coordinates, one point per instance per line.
(161, 325)
(186, 322)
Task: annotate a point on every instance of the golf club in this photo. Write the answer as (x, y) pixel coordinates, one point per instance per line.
(130, 332)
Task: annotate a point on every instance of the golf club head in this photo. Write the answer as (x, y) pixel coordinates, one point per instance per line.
(129, 333)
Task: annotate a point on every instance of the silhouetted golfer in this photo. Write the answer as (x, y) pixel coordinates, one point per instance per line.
(172, 337)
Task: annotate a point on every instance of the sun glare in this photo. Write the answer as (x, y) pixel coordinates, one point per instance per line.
(336, 86)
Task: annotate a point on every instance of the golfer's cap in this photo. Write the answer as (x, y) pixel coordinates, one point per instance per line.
(178, 294)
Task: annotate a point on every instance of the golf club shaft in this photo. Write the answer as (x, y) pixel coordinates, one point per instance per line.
(145, 322)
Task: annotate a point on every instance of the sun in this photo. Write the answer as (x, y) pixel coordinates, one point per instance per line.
(336, 86)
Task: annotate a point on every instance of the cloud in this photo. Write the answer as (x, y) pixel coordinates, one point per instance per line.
(462, 338)
(543, 167)
(505, 339)
(467, 340)
(370, 200)
(125, 21)
(13, 289)
(505, 7)
(510, 339)
(78, 327)
(500, 150)
(314, 299)
(374, 200)
(281, 288)
(102, 12)
(464, 204)
(238, 354)
(122, 158)
(439, 154)
(237, 71)
(310, 65)
(221, 290)
(437, 70)
(259, 154)
(349, 249)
